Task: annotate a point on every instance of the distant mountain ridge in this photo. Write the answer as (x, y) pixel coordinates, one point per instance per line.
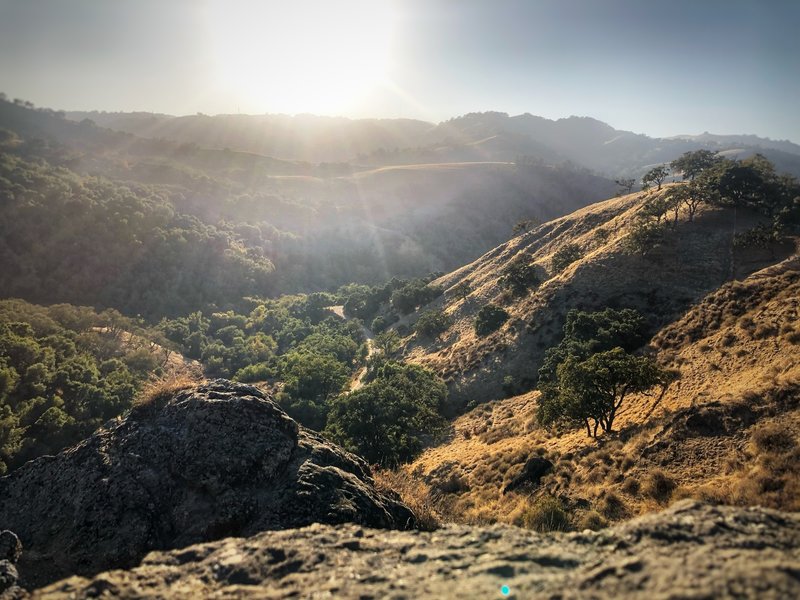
(488, 136)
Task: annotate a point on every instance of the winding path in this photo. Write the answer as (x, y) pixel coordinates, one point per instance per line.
(358, 378)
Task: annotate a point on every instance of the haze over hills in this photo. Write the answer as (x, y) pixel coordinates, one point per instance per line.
(399, 299)
(302, 218)
(449, 381)
(489, 136)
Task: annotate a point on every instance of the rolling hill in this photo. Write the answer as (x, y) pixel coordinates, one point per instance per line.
(721, 316)
(696, 261)
(319, 225)
(487, 136)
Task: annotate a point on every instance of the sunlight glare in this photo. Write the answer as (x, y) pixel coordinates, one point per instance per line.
(303, 55)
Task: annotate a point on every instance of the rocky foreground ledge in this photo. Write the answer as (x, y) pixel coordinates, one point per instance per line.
(206, 463)
(692, 550)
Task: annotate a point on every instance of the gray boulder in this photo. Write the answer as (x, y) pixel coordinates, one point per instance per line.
(692, 550)
(214, 461)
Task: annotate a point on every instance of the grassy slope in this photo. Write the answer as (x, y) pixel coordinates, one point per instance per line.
(663, 286)
(728, 430)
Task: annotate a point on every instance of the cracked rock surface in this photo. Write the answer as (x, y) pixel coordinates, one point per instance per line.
(214, 461)
(691, 550)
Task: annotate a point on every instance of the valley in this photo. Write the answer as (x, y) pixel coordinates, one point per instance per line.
(471, 336)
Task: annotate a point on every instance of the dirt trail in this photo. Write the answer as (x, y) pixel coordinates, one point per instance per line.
(358, 378)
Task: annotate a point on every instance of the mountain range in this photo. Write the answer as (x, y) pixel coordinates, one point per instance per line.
(487, 136)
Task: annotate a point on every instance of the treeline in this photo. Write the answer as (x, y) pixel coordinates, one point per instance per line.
(87, 240)
(64, 370)
(711, 180)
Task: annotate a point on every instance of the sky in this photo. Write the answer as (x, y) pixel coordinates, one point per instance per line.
(657, 67)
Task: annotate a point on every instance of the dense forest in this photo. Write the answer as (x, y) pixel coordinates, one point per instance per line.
(87, 240)
(64, 371)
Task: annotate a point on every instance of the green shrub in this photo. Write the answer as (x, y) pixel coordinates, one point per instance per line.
(489, 319)
(646, 237)
(565, 256)
(519, 276)
(432, 323)
(256, 372)
(389, 420)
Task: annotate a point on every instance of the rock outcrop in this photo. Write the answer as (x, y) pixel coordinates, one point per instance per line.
(10, 551)
(692, 550)
(211, 462)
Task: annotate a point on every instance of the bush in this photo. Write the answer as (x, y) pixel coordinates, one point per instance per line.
(378, 324)
(659, 486)
(773, 439)
(256, 372)
(645, 238)
(415, 293)
(565, 256)
(519, 276)
(546, 514)
(489, 319)
(432, 323)
(390, 420)
(613, 507)
(591, 520)
(631, 486)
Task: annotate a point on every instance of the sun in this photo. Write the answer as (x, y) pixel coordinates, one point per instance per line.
(294, 56)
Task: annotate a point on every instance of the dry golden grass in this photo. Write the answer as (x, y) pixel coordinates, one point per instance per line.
(156, 393)
(693, 264)
(414, 493)
(736, 346)
(727, 431)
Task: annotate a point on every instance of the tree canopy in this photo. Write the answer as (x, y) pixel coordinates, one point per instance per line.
(592, 391)
(588, 375)
(64, 371)
(655, 176)
(393, 417)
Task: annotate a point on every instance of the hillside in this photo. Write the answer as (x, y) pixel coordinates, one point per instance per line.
(487, 136)
(720, 314)
(319, 225)
(696, 260)
(727, 430)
